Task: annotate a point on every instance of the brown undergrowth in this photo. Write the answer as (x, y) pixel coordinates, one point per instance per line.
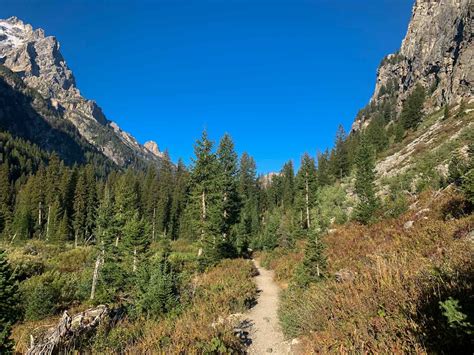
(399, 278)
(196, 327)
(226, 289)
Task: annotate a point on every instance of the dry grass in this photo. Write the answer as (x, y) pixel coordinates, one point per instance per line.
(224, 290)
(283, 262)
(392, 305)
(212, 296)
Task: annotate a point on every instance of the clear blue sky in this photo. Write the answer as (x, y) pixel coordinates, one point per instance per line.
(279, 76)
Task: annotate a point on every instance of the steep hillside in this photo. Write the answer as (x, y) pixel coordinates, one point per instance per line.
(437, 53)
(37, 60)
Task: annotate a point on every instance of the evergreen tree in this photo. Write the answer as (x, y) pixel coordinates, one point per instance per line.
(165, 193)
(126, 202)
(135, 240)
(313, 267)
(248, 190)
(306, 189)
(23, 221)
(205, 201)
(91, 202)
(63, 231)
(179, 200)
(111, 277)
(340, 162)
(288, 184)
(38, 200)
(398, 132)
(80, 209)
(228, 169)
(9, 312)
(458, 166)
(446, 112)
(365, 182)
(377, 135)
(157, 289)
(5, 197)
(149, 197)
(412, 111)
(324, 174)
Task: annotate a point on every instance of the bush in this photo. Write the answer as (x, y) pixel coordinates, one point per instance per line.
(48, 294)
(397, 295)
(157, 290)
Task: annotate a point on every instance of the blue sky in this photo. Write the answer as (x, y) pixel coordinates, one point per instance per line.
(279, 76)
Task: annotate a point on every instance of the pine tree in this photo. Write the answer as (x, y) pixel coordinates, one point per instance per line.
(324, 174)
(38, 200)
(306, 189)
(377, 135)
(126, 202)
(63, 231)
(149, 197)
(135, 240)
(80, 209)
(165, 192)
(446, 112)
(249, 224)
(91, 202)
(458, 166)
(205, 202)
(5, 197)
(365, 182)
(23, 221)
(398, 131)
(228, 171)
(288, 184)
(9, 304)
(412, 111)
(179, 199)
(157, 289)
(110, 276)
(313, 267)
(340, 164)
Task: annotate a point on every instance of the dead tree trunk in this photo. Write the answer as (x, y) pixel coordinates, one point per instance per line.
(203, 211)
(153, 224)
(70, 328)
(134, 268)
(308, 222)
(95, 277)
(47, 222)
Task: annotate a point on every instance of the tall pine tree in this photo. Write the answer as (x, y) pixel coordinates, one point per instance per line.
(365, 182)
(306, 189)
(9, 301)
(228, 171)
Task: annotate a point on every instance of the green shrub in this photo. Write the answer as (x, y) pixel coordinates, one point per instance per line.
(157, 290)
(47, 294)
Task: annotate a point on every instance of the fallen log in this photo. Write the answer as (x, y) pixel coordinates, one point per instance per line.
(67, 330)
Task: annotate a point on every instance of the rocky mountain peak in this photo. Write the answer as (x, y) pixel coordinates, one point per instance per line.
(37, 60)
(153, 147)
(437, 52)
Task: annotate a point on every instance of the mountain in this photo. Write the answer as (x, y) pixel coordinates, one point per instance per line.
(437, 52)
(49, 88)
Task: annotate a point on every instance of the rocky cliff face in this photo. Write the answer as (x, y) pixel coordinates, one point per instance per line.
(37, 60)
(437, 52)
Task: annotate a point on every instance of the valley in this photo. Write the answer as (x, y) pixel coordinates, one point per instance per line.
(110, 246)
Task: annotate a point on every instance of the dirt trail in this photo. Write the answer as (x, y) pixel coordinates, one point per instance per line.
(265, 333)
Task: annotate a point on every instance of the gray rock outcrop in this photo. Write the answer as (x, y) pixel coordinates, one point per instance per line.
(437, 52)
(37, 60)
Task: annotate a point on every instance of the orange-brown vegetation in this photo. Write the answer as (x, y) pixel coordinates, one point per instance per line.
(398, 275)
